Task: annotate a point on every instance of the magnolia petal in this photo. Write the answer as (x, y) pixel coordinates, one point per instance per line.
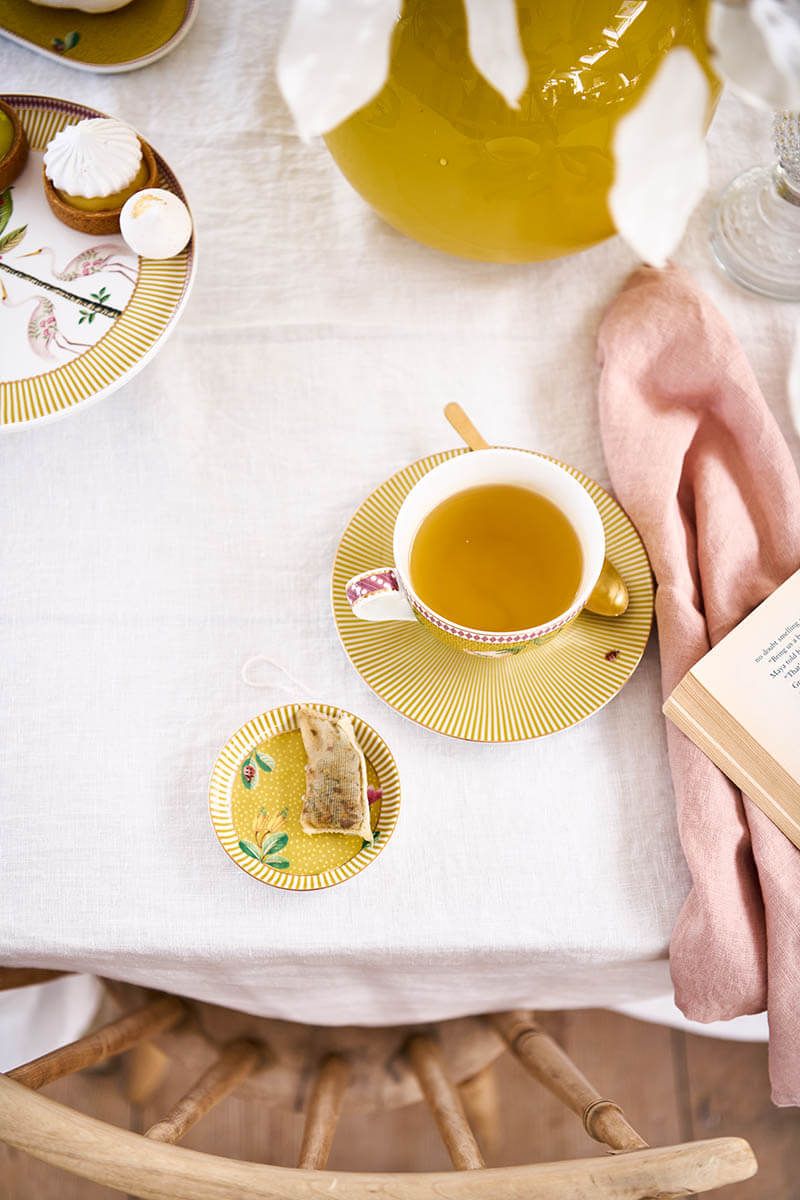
(757, 50)
(660, 159)
(334, 59)
(794, 382)
(495, 46)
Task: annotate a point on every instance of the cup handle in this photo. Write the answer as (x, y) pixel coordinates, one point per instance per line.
(609, 597)
(377, 596)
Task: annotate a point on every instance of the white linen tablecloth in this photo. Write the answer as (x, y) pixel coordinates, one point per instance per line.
(154, 542)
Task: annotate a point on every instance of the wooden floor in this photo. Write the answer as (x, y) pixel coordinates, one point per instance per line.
(673, 1087)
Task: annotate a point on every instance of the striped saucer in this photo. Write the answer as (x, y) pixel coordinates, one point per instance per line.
(516, 698)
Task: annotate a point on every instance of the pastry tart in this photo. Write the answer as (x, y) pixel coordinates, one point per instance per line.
(13, 146)
(91, 169)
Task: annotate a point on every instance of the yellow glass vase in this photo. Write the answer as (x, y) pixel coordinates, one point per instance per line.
(440, 155)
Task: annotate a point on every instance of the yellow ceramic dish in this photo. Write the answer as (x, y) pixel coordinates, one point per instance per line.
(255, 797)
(108, 42)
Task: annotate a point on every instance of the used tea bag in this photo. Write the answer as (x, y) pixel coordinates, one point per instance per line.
(336, 776)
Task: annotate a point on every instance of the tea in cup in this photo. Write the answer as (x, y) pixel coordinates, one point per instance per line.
(494, 550)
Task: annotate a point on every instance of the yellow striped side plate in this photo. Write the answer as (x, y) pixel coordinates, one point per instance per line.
(226, 772)
(161, 290)
(547, 688)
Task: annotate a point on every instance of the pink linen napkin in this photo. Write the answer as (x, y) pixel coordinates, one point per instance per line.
(698, 461)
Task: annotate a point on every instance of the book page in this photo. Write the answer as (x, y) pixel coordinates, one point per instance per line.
(755, 674)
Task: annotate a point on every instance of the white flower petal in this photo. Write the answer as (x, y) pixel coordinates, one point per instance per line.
(495, 46)
(661, 164)
(794, 382)
(334, 59)
(757, 50)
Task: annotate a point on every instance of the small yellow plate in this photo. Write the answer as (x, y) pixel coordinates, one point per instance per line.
(109, 42)
(255, 796)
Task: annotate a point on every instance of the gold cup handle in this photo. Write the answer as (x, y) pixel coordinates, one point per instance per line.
(609, 597)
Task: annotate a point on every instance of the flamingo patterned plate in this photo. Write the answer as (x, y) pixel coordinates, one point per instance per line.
(79, 315)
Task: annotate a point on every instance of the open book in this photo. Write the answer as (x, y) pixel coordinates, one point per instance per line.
(741, 705)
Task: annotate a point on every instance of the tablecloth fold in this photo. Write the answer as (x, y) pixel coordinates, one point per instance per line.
(699, 463)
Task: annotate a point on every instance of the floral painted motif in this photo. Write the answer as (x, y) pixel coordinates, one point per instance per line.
(9, 240)
(68, 42)
(252, 764)
(268, 842)
(86, 314)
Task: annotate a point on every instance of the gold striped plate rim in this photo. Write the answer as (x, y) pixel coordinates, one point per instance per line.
(515, 698)
(284, 720)
(159, 295)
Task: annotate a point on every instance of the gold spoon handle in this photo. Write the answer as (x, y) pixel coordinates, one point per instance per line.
(464, 427)
(609, 598)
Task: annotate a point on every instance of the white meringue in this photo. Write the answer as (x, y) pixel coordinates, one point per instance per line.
(96, 157)
(155, 223)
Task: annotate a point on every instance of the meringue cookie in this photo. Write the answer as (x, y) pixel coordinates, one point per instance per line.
(96, 158)
(155, 223)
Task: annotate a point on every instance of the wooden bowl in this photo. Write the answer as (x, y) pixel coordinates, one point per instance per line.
(12, 163)
(104, 220)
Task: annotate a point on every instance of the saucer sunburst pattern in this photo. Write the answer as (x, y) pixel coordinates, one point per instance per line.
(255, 796)
(85, 366)
(541, 691)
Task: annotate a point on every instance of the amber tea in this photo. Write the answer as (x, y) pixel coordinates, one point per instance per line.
(496, 557)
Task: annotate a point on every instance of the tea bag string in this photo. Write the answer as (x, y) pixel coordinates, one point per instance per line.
(255, 678)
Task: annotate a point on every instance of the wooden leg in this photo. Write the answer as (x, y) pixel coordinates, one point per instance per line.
(481, 1098)
(543, 1058)
(114, 1038)
(323, 1112)
(444, 1102)
(235, 1063)
(144, 1069)
(19, 977)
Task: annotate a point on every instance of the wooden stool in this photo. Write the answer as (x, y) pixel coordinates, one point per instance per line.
(317, 1069)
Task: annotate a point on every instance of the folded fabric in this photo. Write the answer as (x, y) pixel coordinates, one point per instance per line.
(698, 461)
